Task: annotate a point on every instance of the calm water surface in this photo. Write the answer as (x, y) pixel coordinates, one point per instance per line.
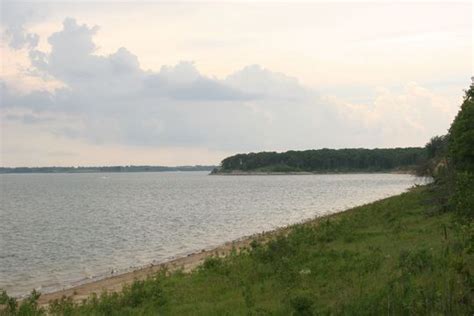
(59, 230)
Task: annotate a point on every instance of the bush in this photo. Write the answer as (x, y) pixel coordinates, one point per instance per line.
(301, 305)
(463, 198)
(416, 261)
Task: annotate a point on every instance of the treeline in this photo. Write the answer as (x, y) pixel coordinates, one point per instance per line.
(104, 169)
(326, 160)
(451, 162)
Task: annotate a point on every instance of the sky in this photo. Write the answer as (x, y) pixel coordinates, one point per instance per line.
(183, 83)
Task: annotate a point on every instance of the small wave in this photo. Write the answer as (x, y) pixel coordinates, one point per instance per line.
(7, 256)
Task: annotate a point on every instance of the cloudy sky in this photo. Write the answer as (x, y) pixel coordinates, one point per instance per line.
(174, 83)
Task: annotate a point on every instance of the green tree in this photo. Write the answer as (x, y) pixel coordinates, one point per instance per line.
(437, 146)
(461, 154)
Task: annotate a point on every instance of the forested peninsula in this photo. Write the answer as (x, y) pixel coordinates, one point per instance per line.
(326, 161)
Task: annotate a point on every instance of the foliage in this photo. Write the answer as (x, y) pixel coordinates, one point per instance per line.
(463, 198)
(435, 163)
(324, 160)
(437, 147)
(461, 154)
(461, 143)
(28, 306)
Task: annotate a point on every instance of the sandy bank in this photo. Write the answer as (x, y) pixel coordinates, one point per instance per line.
(116, 282)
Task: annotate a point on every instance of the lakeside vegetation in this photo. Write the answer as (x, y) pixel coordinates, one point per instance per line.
(326, 160)
(411, 254)
(103, 169)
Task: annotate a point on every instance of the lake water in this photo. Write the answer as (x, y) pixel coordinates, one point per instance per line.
(60, 230)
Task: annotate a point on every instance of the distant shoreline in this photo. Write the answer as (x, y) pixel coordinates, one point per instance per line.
(107, 169)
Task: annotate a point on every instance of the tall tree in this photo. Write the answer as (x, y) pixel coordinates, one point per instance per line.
(461, 153)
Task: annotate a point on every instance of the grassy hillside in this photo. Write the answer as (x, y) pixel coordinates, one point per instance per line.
(401, 255)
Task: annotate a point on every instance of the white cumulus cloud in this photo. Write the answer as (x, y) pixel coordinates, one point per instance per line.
(110, 99)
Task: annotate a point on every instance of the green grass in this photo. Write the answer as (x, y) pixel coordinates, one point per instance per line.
(398, 256)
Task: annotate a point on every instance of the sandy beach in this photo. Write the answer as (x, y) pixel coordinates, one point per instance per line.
(187, 263)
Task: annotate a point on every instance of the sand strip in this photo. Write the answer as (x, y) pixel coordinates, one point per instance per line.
(188, 263)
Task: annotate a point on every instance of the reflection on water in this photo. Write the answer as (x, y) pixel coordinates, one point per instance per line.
(60, 229)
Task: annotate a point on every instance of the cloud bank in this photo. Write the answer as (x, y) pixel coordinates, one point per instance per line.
(110, 99)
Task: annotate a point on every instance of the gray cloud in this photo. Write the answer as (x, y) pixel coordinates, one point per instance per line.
(36, 100)
(14, 18)
(72, 61)
(256, 80)
(19, 38)
(28, 118)
(112, 100)
(184, 82)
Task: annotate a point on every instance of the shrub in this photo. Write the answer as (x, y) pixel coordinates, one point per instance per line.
(302, 305)
(415, 262)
